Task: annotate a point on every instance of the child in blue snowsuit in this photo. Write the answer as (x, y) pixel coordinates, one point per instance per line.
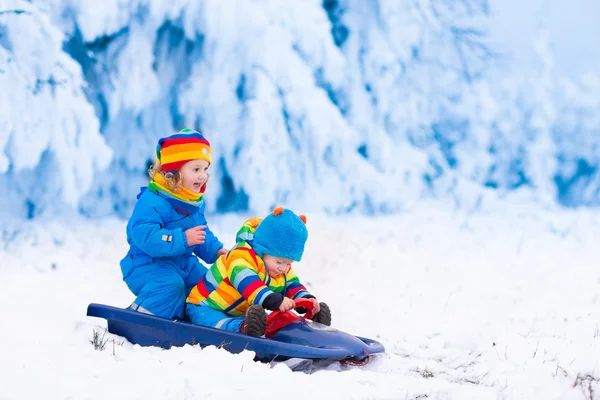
(167, 231)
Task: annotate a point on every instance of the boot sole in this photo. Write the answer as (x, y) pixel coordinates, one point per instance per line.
(324, 315)
(256, 321)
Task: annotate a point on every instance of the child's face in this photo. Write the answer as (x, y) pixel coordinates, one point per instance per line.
(195, 174)
(276, 265)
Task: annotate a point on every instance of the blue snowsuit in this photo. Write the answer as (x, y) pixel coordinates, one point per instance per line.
(160, 268)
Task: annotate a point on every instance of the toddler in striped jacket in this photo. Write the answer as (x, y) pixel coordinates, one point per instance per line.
(255, 275)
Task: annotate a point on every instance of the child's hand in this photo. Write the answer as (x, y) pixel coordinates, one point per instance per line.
(222, 252)
(316, 306)
(195, 235)
(286, 305)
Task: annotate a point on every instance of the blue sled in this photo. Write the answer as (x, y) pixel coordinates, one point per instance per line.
(299, 339)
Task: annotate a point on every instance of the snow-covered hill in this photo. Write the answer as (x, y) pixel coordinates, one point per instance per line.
(469, 307)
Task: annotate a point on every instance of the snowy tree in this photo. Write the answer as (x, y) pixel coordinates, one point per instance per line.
(336, 105)
(50, 145)
(520, 143)
(282, 99)
(577, 134)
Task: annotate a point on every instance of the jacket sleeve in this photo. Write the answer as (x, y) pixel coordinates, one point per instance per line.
(243, 276)
(150, 236)
(208, 250)
(293, 288)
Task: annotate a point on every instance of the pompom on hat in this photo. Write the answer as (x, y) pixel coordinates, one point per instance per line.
(186, 145)
(281, 234)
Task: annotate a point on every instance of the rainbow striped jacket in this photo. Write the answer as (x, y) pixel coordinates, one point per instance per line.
(240, 278)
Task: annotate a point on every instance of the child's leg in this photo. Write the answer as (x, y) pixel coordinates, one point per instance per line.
(207, 316)
(159, 288)
(192, 273)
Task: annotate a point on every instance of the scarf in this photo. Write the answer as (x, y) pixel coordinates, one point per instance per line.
(159, 185)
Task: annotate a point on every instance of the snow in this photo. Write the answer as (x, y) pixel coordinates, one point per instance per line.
(501, 303)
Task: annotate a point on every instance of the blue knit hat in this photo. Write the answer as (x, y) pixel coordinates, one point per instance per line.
(281, 234)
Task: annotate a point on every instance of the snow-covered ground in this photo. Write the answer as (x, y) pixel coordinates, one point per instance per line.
(499, 306)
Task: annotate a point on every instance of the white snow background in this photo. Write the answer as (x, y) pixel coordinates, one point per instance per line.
(468, 307)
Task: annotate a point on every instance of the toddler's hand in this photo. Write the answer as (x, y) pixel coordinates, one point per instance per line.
(222, 252)
(316, 306)
(195, 235)
(286, 305)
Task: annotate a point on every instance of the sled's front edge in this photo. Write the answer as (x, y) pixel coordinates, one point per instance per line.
(373, 346)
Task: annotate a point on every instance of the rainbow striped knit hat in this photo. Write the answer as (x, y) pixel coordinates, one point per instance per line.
(186, 145)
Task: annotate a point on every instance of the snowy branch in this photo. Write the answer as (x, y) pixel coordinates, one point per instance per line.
(17, 12)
